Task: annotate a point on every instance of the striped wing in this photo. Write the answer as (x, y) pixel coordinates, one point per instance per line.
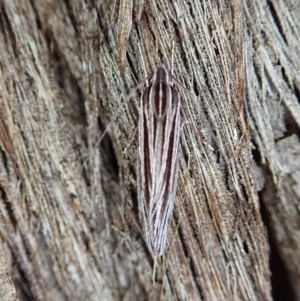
(159, 127)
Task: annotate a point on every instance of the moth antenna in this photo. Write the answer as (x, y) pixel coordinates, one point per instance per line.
(172, 58)
(116, 114)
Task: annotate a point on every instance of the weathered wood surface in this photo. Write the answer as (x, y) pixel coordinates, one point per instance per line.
(70, 231)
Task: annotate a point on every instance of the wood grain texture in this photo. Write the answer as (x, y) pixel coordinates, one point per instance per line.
(71, 231)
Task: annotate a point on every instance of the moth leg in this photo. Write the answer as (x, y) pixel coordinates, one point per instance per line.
(131, 139)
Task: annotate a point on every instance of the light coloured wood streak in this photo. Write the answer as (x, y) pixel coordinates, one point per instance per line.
(124, 29)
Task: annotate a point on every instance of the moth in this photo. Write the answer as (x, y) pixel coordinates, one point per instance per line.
(158, 144)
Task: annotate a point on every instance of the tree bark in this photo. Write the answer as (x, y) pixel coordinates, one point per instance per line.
(69, 210)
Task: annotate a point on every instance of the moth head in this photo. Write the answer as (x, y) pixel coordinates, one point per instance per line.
(162, 74)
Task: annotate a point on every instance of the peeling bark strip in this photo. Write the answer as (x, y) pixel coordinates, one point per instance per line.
(159, 127)
(124, 29)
